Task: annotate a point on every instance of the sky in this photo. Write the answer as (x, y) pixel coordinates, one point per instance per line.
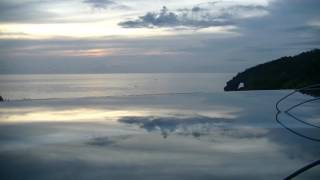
(158, 36)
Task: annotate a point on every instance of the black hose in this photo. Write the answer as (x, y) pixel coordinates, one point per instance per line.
(295, 132)
(303, 169)
(308, 88)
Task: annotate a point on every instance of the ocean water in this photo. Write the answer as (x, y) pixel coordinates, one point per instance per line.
(152, 126)
(43, 86)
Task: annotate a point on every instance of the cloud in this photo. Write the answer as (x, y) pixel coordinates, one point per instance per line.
(25, 11)
(261, 33)
(55, 12)
(245, 11)
(199, 16)
(100, 4)
(166, 18)
(309, 33)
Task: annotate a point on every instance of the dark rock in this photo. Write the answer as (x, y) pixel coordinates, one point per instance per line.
(285, 73)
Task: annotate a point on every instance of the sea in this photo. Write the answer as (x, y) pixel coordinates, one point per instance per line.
(44, 86)
(153, 126)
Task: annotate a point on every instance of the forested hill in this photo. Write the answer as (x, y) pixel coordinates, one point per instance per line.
(284, 73)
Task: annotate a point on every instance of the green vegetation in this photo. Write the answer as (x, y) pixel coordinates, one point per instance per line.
(284, 73)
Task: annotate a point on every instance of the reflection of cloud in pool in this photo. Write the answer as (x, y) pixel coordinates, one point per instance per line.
(236, 153)
(101, 141)
(106, 141)
(195, 126)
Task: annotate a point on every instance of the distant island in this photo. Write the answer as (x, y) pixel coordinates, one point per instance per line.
(290, 72)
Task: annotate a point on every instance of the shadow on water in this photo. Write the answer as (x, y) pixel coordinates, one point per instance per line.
(309, 126)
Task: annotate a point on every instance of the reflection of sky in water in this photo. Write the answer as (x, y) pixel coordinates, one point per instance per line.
(81, 114)
(195, 136)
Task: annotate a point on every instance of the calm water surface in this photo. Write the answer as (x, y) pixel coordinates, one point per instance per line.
(98, 85)
(182, 127)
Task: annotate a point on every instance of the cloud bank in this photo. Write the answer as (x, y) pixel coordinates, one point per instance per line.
(196, 17)
(166, 18)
